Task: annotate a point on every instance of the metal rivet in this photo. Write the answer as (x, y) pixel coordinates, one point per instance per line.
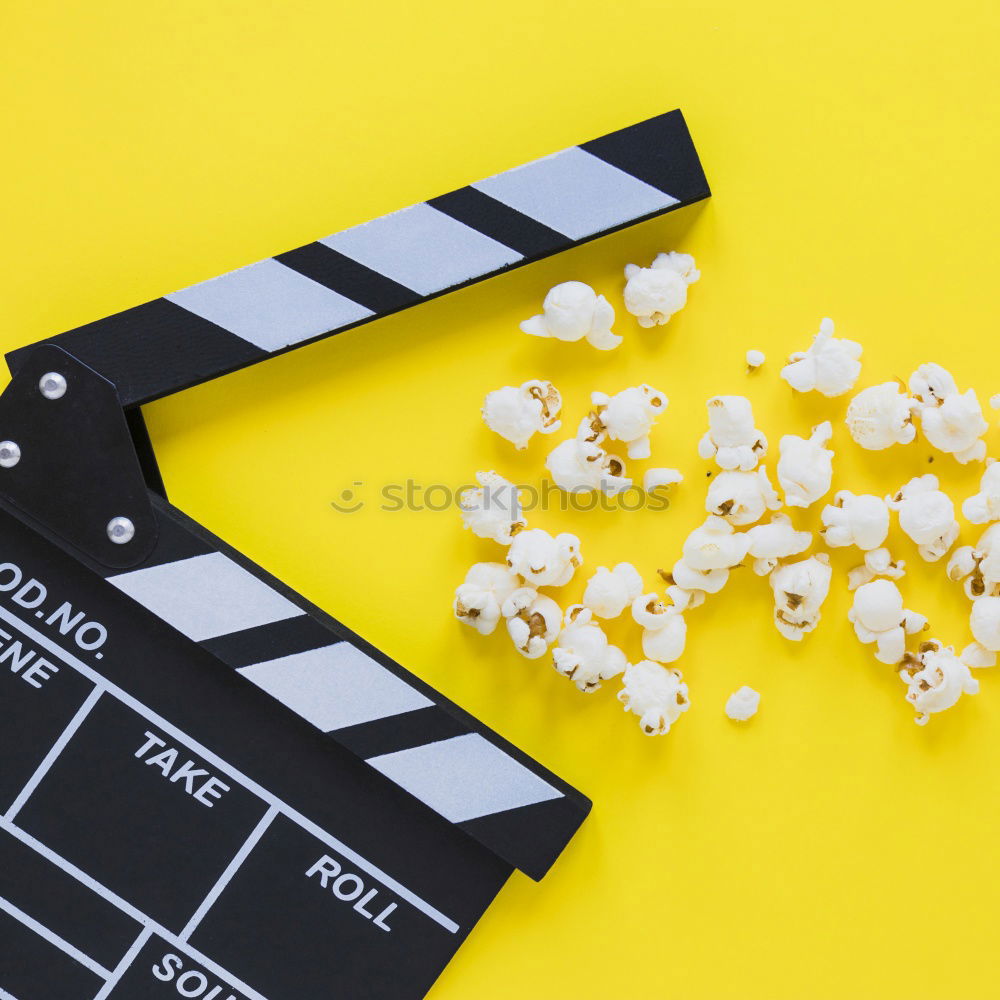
(53, 385)
(121, 530)
(10, 454)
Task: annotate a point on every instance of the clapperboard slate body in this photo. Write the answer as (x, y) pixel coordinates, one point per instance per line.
(208, 787)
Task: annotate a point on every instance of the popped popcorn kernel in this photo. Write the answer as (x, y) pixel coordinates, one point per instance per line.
(478, 601)
(657, 694)
(533, 621)
(629, 415)
(517, 413)
(770, 543)
(984, 506)
(855, 519)
(755, 359)
(995, 401)
(935, 679)
(543, 560)
(610, 591)
(572, 311)
(660, 478)
(926, 515)
(879, 618)
(731, 438)
(952, 421)
(800, 588)
(978, 569)
(582, 652)
(881, 416)
(578, 466)
(664, 632)
(830, 366)
(742, 705)
(985, 623)
(878, 562)
(493, 510)
(805, 466)
(653, 294)
(715, 545)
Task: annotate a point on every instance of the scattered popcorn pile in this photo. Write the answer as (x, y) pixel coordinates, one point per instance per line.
(746, 521)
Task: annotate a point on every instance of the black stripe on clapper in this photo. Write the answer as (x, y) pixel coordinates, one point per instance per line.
(505, 225)
(270, 642)
(401, 732)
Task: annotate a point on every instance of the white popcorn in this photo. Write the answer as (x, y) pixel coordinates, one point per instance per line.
(978, 569)
(830, 366)
(660, 478)
(653, 294)
(741, 497)
(516, 413)
(582, 652)
(533, 621)
(935, 678)
(952, 421)
(926, 515)
(682, 599)
(774, 541)
(479, 600)
(687, 578)
(855, 519)
(878, 562)
(543, 560)
(743, 704)
(657, 694)
(985, 623)
(805, 466)
(731, 438)
(664, 629)
(578, 466)
(629, 415)
(493, 510)
(715, 545)
(572, 311)
(754, 360)
(610, 591)
(984, 506)
(800, 588)
(995, 401)
(881, 416)
(879, 617)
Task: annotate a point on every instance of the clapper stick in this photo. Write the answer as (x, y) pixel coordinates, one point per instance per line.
(335, 824)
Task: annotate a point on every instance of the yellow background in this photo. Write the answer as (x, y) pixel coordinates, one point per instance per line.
(830, 848)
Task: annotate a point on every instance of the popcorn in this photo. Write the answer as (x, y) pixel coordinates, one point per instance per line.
(985, 623)
(926, 515)
(533, 621)
(805, 467)
(578, 466)
(656, 694)
(572, 311)
(478, 601)
(855, 519)
(800, 588)
(493, 510)
(543, 560)
(984, 506)
(978, 568)
(664, 630)
(628, 416)
(953, 422)
(754, 360)
(995, 401)
(878, 562)
(830, 366)
(684, 577)
(731, 438)
(715, 545)
(881, 416)
(935, 678)
(741, 497)
(879, 617)
(653, 294)
(742, 704)
(610, 591)
(774, 541)
(660, 478)
(518, 413)
(583, 653)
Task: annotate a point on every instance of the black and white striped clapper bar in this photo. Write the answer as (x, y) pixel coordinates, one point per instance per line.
(209, 787)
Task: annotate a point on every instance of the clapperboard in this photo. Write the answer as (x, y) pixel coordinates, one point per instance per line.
(210, 788)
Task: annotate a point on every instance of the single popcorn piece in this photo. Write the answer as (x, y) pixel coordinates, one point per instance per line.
(777, 540)
(881, 416)
(879, 617)
(935, 679)
(731, 438)
(830, 366)
(493, 510)
(754, 360)
(543, 560)
(952, 421)
(660, 478)
(582, 652)
(610, 591)
(683, 577)
(628, 416)
(985, 623)
(572, 311)
(653, 294)
(926, 515)
(800, 588)
(479, 600)
(715, 545)
(741, 497)
(516, 413)
(995, 401)
(805, 466)
(533, 621)
(743, 704)
(664, 631)
(984, 506)
(657, 694)
(978, 569)
(578, 466)
(878, 562)
(855, 519)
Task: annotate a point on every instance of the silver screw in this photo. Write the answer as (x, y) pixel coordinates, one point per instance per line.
(10, 454)
(53, 385)
(121, 530)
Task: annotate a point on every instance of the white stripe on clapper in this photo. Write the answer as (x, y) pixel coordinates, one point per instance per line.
(125, 964)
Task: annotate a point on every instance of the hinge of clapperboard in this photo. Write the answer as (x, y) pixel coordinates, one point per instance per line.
(79, 465)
